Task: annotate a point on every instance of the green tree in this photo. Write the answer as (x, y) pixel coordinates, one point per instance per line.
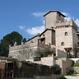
(9, 39)
(12, 38)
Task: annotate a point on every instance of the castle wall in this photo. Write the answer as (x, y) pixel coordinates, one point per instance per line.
(64, 39)
(33, 42)
(50, 20)
(48, 37)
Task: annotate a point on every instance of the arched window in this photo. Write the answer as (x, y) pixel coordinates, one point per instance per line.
(62, 43)
(66, 33)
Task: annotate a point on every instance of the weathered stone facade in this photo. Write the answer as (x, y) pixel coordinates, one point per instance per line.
(60, 34)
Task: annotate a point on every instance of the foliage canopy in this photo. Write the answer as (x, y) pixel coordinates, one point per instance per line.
(10, 39)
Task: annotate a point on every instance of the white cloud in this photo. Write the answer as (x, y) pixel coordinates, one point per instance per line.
(77, 22)
(43, 22)
(35, 30)
(64, 13)
(38, 29)
(68, 16)
(38, 14)
(22, 27)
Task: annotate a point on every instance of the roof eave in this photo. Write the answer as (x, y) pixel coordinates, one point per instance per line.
(53, 11)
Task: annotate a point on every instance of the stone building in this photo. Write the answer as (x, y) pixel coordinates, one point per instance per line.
(60, 36)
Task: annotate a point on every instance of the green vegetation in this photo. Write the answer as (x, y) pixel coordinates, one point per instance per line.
(10, 39)
(76, 65)
(70, 71)
(72, 63)
(44, 51)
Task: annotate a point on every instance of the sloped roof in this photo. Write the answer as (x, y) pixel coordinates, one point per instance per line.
(33, 37)
(45, 31)
(54, 11)
(39, 34)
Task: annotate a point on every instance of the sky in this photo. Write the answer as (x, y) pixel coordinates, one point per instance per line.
(26, 16)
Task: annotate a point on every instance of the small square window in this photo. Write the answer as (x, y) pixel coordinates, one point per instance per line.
(62, 43)
(66, 33)
(31, 41)
(78, 37)
(66, 26)
(78, 44)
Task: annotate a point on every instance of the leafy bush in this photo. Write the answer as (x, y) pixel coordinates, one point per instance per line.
(76, 64)
(70, 71)
(72, 63)
(7, 40)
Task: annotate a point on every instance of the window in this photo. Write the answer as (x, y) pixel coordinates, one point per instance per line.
(43, 35)
(78, 37)
(62, 43)
(66, 26)
(78, 44)
(37, 58)
(66, 33)
(31, 41)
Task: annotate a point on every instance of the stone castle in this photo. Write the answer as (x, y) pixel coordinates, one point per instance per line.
(60, 36)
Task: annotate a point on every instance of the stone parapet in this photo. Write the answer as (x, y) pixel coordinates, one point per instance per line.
(18, 47)
(65, 23)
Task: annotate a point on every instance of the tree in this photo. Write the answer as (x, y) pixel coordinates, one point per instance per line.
(12, 38)
(9, 39)
(70, 71)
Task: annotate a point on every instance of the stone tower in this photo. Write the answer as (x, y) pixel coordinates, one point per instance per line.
(65, 33)
(53, 17)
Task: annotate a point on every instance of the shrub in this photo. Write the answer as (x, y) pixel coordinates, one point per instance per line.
(72, 63)
(76, 64)
(70, 71)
